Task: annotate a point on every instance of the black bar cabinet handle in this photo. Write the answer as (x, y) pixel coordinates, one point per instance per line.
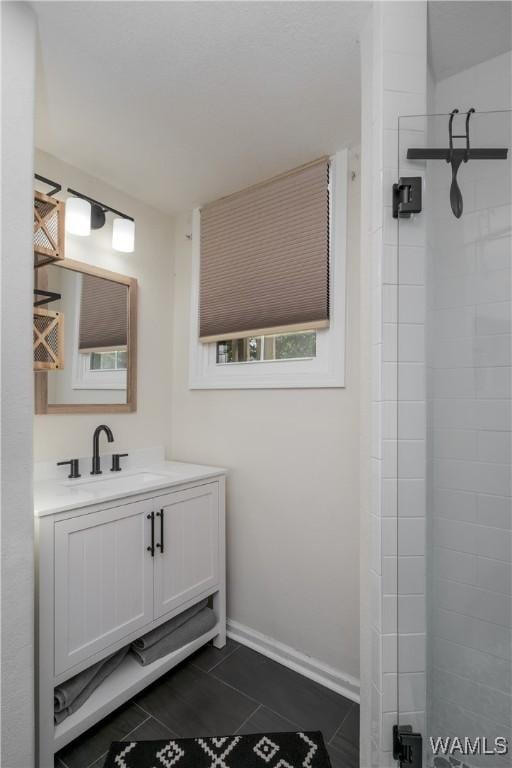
(152, 547)
(161, 544)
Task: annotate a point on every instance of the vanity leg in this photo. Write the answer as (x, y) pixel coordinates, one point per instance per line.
(219, 598)
(219, 606)
(45, 756)
(44, 638)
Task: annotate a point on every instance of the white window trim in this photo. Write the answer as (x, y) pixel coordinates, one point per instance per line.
(327, 369)
(83, 376)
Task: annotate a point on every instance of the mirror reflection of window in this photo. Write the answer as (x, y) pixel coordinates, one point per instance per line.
(103, 324)
(95, 337)
(113, 360)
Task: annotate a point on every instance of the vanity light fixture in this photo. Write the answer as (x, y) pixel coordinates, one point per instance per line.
(78, 216)
(123, 235)
(123, 228)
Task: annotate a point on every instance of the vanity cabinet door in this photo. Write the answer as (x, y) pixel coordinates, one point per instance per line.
(189, 564)
(103, 580)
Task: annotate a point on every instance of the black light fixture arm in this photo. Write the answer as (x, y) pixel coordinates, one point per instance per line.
(55, 187)
(100, 205)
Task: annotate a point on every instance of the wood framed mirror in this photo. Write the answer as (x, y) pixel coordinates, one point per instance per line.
(98, 373)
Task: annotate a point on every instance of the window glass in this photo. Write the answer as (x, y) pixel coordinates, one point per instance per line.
(289, 346)
(114, 360)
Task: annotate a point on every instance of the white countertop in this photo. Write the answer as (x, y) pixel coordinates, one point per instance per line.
(53, 495)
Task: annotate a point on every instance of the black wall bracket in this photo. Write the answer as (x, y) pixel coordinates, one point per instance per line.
(406, 197)
(48, 296)
(407, 747)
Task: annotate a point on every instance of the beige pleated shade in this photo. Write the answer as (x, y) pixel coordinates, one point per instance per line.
(265, 257)
(103, 314)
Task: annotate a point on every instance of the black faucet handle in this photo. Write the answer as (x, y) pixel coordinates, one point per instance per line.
(116, 467)
(73, 466)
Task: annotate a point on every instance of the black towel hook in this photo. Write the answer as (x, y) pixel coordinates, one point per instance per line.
(455, 161)
(455, 156)
(450, 123)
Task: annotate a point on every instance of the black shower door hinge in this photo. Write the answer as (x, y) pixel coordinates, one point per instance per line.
(407, 747)
(406, 197)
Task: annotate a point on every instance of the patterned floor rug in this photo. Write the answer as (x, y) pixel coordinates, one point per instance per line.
(272, 750)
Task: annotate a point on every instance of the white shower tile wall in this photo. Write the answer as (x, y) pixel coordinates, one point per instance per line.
(469, 421)
(394, 74)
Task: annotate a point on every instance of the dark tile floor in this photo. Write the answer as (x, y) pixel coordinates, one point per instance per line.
(218, 692)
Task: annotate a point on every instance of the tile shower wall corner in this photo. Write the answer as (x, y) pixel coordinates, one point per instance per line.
(394, 81)
(469, 355)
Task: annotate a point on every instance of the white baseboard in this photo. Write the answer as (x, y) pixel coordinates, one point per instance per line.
(316, 670)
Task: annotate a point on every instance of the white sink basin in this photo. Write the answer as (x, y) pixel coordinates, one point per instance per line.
(53, 495)
(116, 480)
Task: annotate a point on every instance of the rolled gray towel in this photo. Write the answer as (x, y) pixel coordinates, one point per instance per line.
(153, 637)
(107, 667)
(66, 693)
(195, 627)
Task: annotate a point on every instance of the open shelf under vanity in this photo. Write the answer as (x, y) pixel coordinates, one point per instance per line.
(125, 682)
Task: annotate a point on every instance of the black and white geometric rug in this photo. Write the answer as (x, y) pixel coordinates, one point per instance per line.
(272, 750)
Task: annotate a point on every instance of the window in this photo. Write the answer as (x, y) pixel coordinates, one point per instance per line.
(113, 360)
(106, 366)
(100, 370)
(258, 349)
(303, 358)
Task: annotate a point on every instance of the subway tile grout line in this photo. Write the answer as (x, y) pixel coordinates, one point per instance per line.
(103, 754)
(233, 688)
(137, 726)
(160, 722)
(248, 718)
(349, 710)
(218, 662)
(284, 717)
(136, 703)
(228, 656)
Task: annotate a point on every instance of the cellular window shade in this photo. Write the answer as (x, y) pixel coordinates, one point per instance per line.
(103, 315)
(264, 265)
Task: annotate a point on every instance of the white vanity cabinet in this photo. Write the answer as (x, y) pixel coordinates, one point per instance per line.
(110, 572)
(103, 580)
(188, 524)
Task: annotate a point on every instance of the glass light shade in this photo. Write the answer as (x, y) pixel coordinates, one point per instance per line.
(78, 216)
(123, 235)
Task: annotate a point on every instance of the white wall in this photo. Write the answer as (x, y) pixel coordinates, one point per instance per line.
(470, 424)
(293, 495)
(63, 436)
(17, 528)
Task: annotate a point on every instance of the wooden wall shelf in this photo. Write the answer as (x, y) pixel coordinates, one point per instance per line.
(48, 339)
(48, 229)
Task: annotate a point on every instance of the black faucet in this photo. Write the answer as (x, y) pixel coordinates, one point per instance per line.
(96, 461)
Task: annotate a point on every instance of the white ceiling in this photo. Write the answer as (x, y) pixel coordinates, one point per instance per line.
(178, 103)
(463, 34)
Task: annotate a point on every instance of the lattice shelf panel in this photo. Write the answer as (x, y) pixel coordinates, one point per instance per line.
(48, 229)
(48, 338)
